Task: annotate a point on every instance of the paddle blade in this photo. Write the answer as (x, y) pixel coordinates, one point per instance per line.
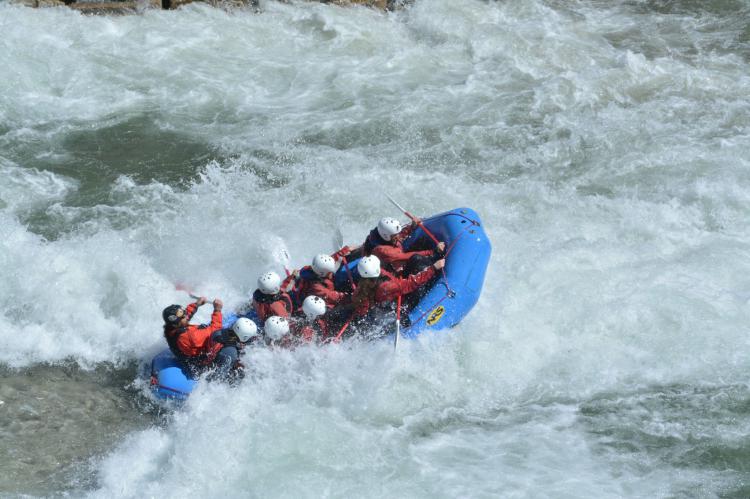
(338, 239)
(278, 250)
(398, 323)
(395, 203)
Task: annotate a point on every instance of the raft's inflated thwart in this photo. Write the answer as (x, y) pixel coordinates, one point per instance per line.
(444, 305)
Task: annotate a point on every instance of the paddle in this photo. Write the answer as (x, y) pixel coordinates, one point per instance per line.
(414, 219)
(338, 239)
(341, 332)
(338, 243)
(281, 255)
(398, 322)
(437, 243)
(182, 287)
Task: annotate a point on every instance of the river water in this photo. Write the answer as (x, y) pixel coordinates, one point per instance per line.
(606, 146)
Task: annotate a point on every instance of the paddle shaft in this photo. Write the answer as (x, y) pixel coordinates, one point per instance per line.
(338, 245)
(285, 261)
(398, 322)
(414, 219)
(182, 287)
(338, 336)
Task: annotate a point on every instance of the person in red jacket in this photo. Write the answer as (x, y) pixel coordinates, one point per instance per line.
(196, 345)
(269, 299)
(378, 286)
(276, 332)
(317, 279)
(312, 328)
(386, 242)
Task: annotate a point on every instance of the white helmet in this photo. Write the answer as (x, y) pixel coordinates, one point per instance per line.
(388, 227)
(245, 329)
(369, 266)
(269, 283)
(323, 264)
(313, 306)
(276, 327)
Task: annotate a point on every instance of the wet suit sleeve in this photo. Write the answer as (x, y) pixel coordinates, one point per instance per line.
(395, 255)
(190, 310)
(330, 296)
(390, 290)
(215, 321)
(291, 282)
(279, 308)
(340, 253)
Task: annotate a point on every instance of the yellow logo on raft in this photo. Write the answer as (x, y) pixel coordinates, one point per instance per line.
(435, 315)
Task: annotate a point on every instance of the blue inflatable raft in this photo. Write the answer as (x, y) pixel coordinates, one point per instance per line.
(448, 300)
(170, 379)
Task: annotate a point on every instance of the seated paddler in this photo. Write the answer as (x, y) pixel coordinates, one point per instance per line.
(317, 279)
(269, 299)
(377, 287)
(311, 327)
(386, 243)
(198, 346)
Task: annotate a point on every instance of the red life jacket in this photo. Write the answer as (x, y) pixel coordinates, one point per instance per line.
(269, 305)
(305, 282)
(193, 342)
(312, 284)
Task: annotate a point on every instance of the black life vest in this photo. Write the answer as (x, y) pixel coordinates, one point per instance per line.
(373, 240)
(172, 334)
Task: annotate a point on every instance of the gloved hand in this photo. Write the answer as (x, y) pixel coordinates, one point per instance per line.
(343, 252)
(291, 281)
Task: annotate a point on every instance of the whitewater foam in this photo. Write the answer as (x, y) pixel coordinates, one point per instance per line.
(604, 147)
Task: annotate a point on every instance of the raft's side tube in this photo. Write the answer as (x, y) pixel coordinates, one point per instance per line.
(169, 378)
(468, 253)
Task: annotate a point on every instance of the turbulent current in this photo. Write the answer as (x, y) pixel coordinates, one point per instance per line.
(606, 146)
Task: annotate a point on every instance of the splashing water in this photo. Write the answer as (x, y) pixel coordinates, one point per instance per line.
(605, 146)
